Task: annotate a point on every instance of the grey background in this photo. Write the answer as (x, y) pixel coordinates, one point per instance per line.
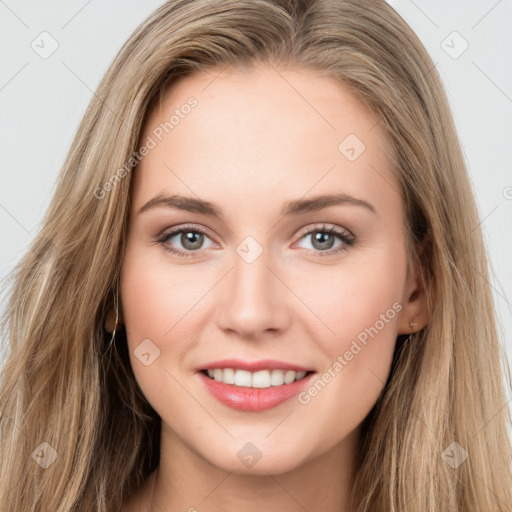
(43, 99)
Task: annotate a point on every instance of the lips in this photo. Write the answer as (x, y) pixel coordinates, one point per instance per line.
(254, 385)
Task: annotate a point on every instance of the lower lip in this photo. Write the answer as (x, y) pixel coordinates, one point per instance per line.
(253, 399)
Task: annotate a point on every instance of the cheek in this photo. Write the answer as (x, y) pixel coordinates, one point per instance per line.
(144, 303)
(363, 293)
(156, 296)
(361, 308)
(357, 364)
(157, 306)
(160, 319)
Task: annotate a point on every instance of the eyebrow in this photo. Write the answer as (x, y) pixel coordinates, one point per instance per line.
(295, 207)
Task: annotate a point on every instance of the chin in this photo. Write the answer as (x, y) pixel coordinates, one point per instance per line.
(256, 458)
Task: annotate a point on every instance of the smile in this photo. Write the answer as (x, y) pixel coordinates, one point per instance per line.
(254, 391)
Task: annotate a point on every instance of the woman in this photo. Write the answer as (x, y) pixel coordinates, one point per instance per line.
(174, 345)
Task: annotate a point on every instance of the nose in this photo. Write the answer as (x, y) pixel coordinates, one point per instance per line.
(253, 298)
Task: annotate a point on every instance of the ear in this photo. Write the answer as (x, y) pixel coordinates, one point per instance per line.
(415, 296)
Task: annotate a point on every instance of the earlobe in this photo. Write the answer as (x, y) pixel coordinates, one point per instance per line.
(414, 315)
(412, 324)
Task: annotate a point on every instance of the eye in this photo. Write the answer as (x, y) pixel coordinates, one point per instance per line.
(323, 240)
(191, 239)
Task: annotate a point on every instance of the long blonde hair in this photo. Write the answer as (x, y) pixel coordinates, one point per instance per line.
(77, 433)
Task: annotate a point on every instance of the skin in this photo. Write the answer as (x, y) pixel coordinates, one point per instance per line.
(252, 143)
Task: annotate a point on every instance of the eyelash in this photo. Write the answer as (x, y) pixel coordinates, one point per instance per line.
(347, 238)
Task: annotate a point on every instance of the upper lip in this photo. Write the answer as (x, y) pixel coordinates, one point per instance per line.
(254, 366)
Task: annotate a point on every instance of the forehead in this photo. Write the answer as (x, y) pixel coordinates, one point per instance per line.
(260, 133)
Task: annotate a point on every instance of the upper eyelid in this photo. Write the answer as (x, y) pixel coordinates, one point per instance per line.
(324, 227)
(178, 229)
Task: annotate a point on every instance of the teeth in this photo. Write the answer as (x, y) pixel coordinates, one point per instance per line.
(242, 378)
(228, 375)
(260, 379)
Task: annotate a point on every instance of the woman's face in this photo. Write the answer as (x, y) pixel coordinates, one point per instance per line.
(264, 280)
